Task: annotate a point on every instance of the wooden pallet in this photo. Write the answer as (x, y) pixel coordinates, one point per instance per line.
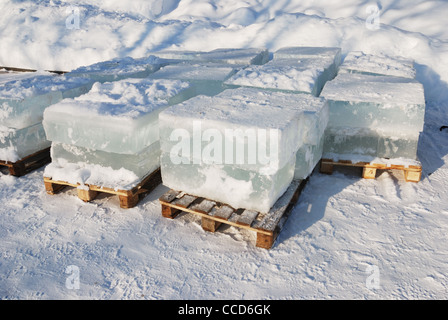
(128, 198)
(412, 173)
(28, 164)
(266, 225)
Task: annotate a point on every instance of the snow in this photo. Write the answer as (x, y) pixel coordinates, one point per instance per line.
(341, 227)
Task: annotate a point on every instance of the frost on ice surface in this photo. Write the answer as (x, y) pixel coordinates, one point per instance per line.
(118, 69)
(120, 117)
(359, 62)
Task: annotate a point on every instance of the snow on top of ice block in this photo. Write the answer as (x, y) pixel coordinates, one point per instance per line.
(374, 89)
(39, 84)
(284, 74)
(195, 71)
(127, 99)
(118, 67)
(232, 112)
(360, 62)
(306, 52)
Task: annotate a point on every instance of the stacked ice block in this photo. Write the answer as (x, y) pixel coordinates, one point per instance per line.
(23, 99)
(374, 114)
(247, 56)
(118, 69)
(205, 78)
(359, 62)
(296, 69)
(239, 147)
(110, 136)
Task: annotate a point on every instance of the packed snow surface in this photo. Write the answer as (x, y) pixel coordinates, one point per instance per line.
(347, 238)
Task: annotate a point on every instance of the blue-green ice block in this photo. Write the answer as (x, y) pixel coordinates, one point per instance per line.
(307, 74)
(141, 164)
(118, 69)
(390, 105)
(23, 101)
(16, 144)
(366, 142)
(118, 117)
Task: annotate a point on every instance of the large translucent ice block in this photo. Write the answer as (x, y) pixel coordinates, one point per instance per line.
(247, 56)
(246, 134)
(236, 187)
(141, 164)
(118, 69)
(308, 52)
(307, 158)
(387, 104)
(367, 142)
(230, 56)
(205, 78)
(314, 112)
(306, 75)
(359, 62)
(22, 102)
(120, 117)
(16, 144)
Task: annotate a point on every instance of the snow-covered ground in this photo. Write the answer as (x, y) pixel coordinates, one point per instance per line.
(347, 238)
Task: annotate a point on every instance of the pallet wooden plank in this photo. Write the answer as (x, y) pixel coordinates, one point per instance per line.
(204, 206)
(184, 201)
(169, 196)
(223, 212)
(247, 217)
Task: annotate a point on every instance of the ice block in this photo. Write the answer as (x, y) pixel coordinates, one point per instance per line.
(119, 117)
(233, 186)
(389, 105)
(140, 164)
(22, 102)
(229, 56)
(306, 74)
(314, 111)
(359, 62)
(118, 69)
(16, 144)
(246, 134)
(206, 78)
